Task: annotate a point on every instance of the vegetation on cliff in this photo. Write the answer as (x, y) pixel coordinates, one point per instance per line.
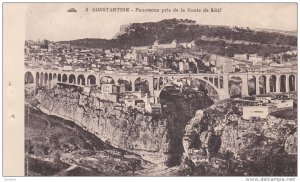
(144, 34)
(241, 147)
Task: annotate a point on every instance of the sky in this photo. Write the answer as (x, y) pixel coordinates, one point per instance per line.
(52, 21)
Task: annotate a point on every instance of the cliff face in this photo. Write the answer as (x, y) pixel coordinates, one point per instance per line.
(234, 134)
(243, 135)
(118, 125)
(157, 138)
(210, 134)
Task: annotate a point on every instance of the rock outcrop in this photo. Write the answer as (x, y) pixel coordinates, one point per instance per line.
(291, 144)
(210, 133)
(156, 138)
(112, 122)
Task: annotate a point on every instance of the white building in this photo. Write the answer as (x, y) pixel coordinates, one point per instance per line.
(67, 68)
(183, 66)
(256, 60)
(263, 99)
(156, 45)
(131, 56)
(241, 56)
(188, 44)
(107, 88)
(283, 104)
(141, 48)
(79, 69)
(227, 66)
(257, 111)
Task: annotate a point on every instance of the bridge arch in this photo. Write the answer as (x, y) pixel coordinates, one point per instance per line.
(211, 79)
(272, 82)
(262, 84)
(283, 82)
(107, 80)
(29, 78)
(235, 87)
(46, 79)
(50, 80)
(252, 85)
(37, 79)
(41, 79)
(173, 82)
(80, 79)
(141, 84)
(59, 77)
(158, 82)
(72, 79)
(216, 81)
(166, 80)
(54, 76)
(65, 78)
(91, 80)
(126, 82)
(221, 82)
(292, 82)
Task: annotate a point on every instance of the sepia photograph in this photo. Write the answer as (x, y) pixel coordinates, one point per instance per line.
(160, 89)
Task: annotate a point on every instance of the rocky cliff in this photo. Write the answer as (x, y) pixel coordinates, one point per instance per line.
(112, 122)
(157, 138)
(215, 131)
(209, 134)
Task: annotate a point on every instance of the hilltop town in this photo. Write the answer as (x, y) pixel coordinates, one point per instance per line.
(162, 57)
(179, 50)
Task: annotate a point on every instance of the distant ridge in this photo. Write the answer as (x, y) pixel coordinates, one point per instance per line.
(285, 32)
(184, 30)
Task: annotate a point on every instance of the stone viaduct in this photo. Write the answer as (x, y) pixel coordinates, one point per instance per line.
(282, 81)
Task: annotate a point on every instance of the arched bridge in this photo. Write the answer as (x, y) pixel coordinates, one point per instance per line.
(281, 82)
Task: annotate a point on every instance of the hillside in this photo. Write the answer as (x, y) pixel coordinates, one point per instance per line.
(143, 34)
(294, 32)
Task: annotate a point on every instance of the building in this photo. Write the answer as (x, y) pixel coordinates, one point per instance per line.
(215, 69)
(227, 67)
(140, 48)
(79, 69)
(241, 67)
(140, 105)
(107, 88)
(183, 67)
(256, 60)
(67, 68)
(241, 56)
(258, 68)
(257, 111)
(156, 45)
(269, 60)
(156, 109)
(110, 97)
(188, 44)
(263, 98)
(225, 63)
(35, 46)
(283, 104)
(118, 89)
